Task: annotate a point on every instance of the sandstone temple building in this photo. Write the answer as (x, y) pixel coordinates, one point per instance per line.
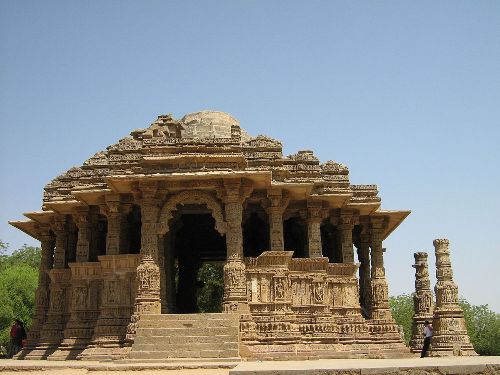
(124, 236)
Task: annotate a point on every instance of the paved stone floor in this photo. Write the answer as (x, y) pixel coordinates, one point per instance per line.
(406, 366)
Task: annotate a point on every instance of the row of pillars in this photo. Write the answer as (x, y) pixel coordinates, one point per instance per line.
(373, 285)
(450, 334)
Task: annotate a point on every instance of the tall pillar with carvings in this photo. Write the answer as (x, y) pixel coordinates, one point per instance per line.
(277, 205)
(380, 309)
(315, 216)
(147, 300)
(60, 229)
(47, 240)
(423, 302)
(450, 334)
(346, 225)
(382, 323)
(116, 212)
(363, 250)
(82, 220)
(235, 292)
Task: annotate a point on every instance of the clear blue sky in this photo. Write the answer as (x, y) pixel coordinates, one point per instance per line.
(406, 93)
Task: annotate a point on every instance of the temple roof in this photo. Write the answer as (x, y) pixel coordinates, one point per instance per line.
(210, 144)
(207, 141)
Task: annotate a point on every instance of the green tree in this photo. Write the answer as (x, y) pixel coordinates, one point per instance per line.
(18, 282)
(483, 326)
(402, 311)
(211, 275)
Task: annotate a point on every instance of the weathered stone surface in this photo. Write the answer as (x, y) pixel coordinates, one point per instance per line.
(450, 336)
(284, 226)
(423, 302)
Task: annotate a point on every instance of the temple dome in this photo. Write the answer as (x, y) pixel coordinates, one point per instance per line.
(207, 124)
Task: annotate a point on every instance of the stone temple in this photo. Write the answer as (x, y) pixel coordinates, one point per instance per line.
(124, 236)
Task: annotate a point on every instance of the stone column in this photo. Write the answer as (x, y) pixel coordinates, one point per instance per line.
(423, 302)
(450, 334)
(59, 229)
(380, 295)
(147, 300)
(346, 225)
(84, 225)
(57, 313)
(278, 203)
(235, 292)
(314, 218)
(363, 250)
(112, 210)
(42, 291)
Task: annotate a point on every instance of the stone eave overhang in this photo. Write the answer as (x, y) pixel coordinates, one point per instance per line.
(63, 207)
(27, 226)
(364, 208)
(393, 220)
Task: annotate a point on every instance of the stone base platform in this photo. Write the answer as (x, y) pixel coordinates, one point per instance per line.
(402, 366)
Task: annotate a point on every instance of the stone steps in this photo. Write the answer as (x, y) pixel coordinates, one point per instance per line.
(170, 336)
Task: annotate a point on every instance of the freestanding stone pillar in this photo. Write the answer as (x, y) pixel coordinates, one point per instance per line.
(450, 334)
(423, 302)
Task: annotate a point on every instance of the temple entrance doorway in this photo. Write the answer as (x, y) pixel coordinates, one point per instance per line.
(196, 254)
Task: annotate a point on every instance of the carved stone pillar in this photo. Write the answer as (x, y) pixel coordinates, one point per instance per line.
(235, 293)
(314, 218)
(84, 225)
(113, 211)
(59, 229)
(147, 299)
(423, 302)
(450, 334)
(42, 291)
(363, 249)
(278, 203)
(346, 225)
(380, 295)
